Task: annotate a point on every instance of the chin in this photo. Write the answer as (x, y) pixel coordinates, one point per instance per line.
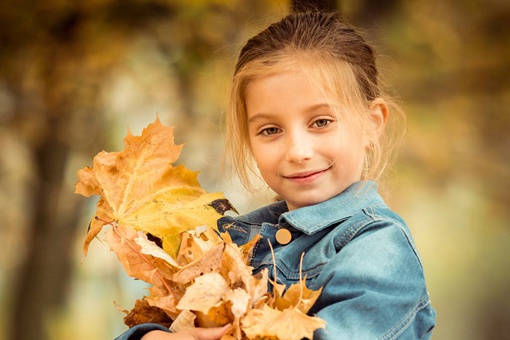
(306, 203)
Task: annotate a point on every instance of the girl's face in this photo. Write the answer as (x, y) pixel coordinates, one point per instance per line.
(304, 151)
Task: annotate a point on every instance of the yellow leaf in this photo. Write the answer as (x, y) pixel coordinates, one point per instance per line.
(140, 188)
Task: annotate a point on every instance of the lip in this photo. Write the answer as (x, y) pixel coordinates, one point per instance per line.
(306, 176)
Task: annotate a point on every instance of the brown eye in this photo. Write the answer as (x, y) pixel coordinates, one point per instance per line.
(269, 131)
(321, 122)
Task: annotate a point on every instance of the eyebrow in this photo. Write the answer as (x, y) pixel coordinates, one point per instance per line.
(308, 109)
(258, 116)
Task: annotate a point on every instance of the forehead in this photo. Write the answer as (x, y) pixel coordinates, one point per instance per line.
(291, 90)
(331, 75)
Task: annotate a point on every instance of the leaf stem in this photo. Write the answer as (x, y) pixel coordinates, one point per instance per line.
(103, 220)
(274, 260)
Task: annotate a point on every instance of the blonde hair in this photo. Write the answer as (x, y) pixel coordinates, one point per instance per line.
(330, 53)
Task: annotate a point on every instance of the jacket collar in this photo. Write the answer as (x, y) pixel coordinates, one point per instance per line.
(314, 218)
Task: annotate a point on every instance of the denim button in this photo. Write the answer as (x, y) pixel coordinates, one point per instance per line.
(283, 236)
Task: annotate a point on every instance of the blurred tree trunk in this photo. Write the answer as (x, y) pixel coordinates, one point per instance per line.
(44, 276)
(64, 74)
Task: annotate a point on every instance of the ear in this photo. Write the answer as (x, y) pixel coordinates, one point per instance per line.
(379, 114)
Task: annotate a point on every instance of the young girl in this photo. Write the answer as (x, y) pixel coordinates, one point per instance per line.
(307, 109)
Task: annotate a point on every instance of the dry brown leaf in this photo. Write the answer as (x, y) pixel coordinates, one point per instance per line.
(142, 312)
(164, 301)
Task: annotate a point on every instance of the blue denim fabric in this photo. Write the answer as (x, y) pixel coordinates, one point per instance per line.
(138, 331)
(360, 252)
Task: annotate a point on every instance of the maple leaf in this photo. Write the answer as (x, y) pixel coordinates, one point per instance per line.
(140, 188)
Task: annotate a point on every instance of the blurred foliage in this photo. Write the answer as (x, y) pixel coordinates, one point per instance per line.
(74, 75)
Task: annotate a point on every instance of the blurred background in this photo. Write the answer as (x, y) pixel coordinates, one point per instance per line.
(75, 75)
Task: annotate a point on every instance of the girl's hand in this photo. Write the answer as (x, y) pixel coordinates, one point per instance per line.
(193, 334)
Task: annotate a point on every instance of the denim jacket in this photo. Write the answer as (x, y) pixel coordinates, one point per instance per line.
(359, 251)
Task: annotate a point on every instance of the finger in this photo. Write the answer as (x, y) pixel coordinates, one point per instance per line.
(214, 333)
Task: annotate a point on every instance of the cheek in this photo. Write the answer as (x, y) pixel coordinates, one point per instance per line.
(259, 154)
(262, 159)
(255, 151)
(266, 160)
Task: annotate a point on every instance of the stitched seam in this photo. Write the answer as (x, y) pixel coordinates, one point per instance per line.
(349, 234)
(255, 248)
(293, 275)
(234, 227)
(408, 238)
(415, 251)
(377, 217)
(404, 324)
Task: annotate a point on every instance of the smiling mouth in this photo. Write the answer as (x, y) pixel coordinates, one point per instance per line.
(306, 174)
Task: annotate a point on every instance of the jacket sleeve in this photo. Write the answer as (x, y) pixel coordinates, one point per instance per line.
(136, 332)
(374, 288)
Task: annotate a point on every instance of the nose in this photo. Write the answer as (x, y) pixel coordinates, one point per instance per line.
(299, 148)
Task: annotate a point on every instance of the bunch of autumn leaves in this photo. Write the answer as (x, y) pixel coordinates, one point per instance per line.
(162, 227)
